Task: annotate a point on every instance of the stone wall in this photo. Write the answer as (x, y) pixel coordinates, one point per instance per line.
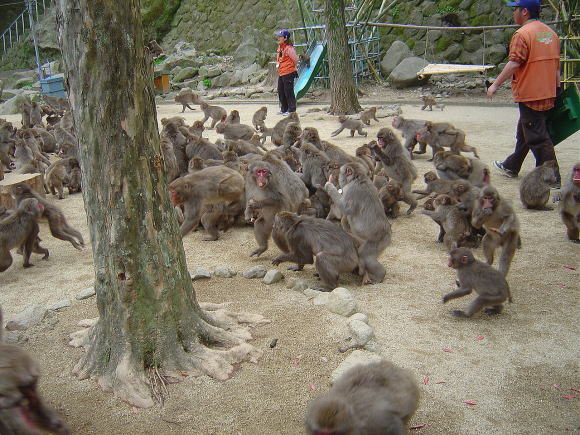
(220, 26)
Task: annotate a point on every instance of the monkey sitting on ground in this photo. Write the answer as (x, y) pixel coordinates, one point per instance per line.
(58, 175)
(535, 186)
(501, 224)
(409, 129)
(233, 117)
(390, 195)
(490, 285)
(22, 409)
(259, 117)
(570, 204)
(19, 229)
(280, 127)
(235, 131)
(367, 115)
(154, 48)
(349, 124)
(373, 398)
(430, 101)
(310, 238)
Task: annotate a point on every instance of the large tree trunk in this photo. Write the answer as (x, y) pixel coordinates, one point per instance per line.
(150, 324)
(343, 98)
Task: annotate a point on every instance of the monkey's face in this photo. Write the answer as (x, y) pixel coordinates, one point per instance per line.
(396, 190)
(430, 176)
(460, 257)
(262, 177)
(346, 175)
(396, 122)
(179, 191)
(383, 137)
(19, 393)
(443, 200)
(576, 175)
(422, 135)
(488, 203)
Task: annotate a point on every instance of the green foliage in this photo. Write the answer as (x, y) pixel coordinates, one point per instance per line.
(24, 85)
(395, 12)
(21, 56)
(442, 44)
(410, 43)
(481, 20)
(207, 83)
(157, 16)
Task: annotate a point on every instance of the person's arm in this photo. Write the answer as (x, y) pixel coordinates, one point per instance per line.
(291, 52)
(508, 71)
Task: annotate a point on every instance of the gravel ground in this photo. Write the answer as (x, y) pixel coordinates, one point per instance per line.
(517, 373)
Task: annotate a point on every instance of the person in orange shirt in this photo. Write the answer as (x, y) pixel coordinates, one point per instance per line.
(286, 59)
(534, 67)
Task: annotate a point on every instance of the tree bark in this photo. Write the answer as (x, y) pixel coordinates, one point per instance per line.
(343, 98)
(151, 325)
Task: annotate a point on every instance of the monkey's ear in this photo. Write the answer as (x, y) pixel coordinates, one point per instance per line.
(464, 259)
(348, 171)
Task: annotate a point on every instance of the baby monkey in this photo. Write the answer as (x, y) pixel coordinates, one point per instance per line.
(490, 285)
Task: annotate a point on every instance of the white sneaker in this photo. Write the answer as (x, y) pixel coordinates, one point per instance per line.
(282, 113)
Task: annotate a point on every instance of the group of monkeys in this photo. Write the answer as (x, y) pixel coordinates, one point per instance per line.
(295, 191)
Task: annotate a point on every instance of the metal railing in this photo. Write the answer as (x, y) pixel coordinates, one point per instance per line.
(21, 25)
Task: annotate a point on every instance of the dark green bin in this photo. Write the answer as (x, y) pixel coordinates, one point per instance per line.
(564, 120)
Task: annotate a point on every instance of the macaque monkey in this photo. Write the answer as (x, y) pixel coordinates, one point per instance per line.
(502, 228)
(376, 398)
(369, 114)
(350, 124)
(216, 113)
(570, 204)
(186, 97)
(304, 59)
(490, 285)
(233, 117)
(443, 134)
(259, 118)
(22, 409)
(430, 101)
(535, 186)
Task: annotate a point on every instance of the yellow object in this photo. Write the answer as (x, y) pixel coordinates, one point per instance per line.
(162, 83)
(451, 68)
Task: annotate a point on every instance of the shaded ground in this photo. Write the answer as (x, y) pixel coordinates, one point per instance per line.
(517, 374)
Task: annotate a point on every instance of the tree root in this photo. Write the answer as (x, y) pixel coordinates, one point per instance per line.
(215, 349)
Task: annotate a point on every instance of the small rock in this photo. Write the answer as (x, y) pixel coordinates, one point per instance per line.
(273, 276)
(341, 301)
(355, 358)
(224, 272)
(273, 343)
(200, 274)
(300, 285)
(31, 316)
(361, 332)
(86, 293)
(59, 305)
(255, 272)
(359, 316)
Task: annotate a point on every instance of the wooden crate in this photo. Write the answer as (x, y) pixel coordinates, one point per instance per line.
(162, 83)
(33, 180)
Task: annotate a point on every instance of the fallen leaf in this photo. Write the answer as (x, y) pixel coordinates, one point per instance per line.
(569, 396)
(569, 267)
(468, 402)
(419, 426)
(426, 380)
(561, 286)
(575, 389)
(447, 350)
(441, 382)
(481, 337)
(295, 363)
(556, 386)
(312, 386)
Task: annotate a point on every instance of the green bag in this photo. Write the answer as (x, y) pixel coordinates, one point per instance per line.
(564, 119)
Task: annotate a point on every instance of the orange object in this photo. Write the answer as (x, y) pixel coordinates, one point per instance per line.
(162, 83)
(536, 78)
(287, 59)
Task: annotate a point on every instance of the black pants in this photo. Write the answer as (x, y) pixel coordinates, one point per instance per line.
(286, 92)
(531, 135)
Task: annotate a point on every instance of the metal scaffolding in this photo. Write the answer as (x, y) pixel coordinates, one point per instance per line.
(363, 40)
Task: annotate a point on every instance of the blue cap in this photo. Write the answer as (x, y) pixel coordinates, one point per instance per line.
(283, 32)
(533, 5)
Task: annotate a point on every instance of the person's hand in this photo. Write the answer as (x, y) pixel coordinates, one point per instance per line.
(491, 90)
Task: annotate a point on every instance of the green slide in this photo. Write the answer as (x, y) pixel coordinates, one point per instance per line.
(306, 75)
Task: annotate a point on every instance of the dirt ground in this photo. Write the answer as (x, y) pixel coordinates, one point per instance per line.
(517, 374)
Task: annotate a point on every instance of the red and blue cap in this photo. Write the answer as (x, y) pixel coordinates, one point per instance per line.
(283, 32)
(533, 5)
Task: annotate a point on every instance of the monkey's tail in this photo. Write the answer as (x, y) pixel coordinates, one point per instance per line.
(510, 299)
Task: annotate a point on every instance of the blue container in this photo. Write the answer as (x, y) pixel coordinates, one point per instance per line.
(53, 86)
